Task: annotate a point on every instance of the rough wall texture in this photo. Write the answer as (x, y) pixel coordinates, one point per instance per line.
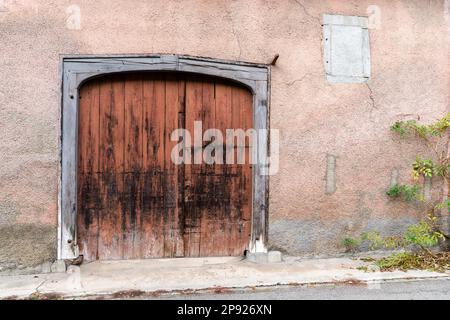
(410, 79)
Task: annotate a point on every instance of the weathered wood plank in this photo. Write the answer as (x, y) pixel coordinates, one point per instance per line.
(205, 180)
(88, 184)
(191, 187)
(152, 219)
(180, 249)
(172, 237)
(260, 170)
(133, 164)
(246, 177)
(112, 126)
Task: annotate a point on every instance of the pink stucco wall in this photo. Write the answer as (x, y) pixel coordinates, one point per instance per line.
(410, 80)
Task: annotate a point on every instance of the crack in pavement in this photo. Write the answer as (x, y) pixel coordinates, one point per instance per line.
(40, 285)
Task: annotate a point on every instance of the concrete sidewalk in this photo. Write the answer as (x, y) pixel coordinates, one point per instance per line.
(193, 274)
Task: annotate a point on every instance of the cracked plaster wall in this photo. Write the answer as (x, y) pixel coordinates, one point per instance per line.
(410, 79)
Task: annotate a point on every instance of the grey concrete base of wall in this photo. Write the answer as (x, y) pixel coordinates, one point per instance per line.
(314, 238)
(27, 248)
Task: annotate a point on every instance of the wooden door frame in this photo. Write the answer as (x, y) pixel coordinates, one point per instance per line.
(78, 69)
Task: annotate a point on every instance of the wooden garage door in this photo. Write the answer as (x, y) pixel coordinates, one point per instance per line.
(133, 201)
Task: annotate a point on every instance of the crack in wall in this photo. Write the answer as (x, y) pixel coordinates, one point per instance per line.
(372, 99)
(307, 12)
(290, 83)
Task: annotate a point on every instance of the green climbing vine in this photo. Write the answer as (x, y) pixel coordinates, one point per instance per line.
(419, 239)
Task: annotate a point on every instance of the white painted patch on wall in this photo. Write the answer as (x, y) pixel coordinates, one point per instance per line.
(374, 17)
(73, 21)
(258, 246)
(394, 177)
(346, 48)
(330, 178)
(427, 188)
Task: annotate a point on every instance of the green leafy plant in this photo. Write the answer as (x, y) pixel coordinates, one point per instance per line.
(363, 268)
(435, 137)
(401, 260)
(409, 260)
(425, 167)
(422, 235)
(426, 234)
(351, 244)
(374, 239)
(436, 165)
(407, 192)
(436, 129)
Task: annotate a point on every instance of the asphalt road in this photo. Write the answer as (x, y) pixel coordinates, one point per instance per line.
(406, 290)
